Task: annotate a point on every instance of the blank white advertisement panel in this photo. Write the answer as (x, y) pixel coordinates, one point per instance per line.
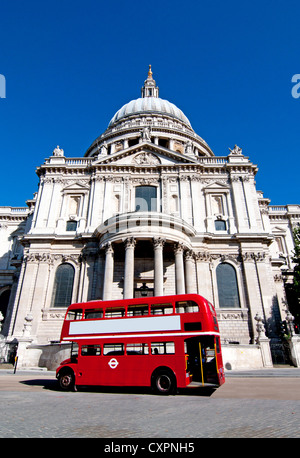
(161, 323)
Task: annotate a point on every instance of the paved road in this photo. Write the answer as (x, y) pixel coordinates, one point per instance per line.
(248, 405)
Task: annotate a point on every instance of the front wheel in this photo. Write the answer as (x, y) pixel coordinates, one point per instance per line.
(66, 381)
(164, 382)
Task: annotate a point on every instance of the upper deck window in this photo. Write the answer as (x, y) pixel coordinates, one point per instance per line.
(161, 309)
(186, 307)
(137, 310)
(94, 314)
(114, 312)
(74, 314)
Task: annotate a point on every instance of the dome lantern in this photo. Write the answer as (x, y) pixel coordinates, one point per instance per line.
(149, 89)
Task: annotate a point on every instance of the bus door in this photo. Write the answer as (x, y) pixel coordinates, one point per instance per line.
(202, 359)
(89, 365)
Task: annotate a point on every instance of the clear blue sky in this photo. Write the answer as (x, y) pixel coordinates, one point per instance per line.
(70, 65)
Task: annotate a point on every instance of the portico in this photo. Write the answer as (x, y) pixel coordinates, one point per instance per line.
(146, 269)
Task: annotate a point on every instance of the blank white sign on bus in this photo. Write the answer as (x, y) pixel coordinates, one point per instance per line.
(161, 323)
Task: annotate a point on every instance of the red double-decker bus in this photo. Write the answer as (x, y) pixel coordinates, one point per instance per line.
(164, 342)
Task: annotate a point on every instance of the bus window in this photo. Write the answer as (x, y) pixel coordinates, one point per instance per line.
(162, 348)
(137, 349)
(74, 314)
(215, 323)
(137, 310)
(186, 307)
(74, 351)
(93, 314)
(90, 350)
(114, 312)
(113, 349)
(161, 309)
(218, 347)
(211, 308)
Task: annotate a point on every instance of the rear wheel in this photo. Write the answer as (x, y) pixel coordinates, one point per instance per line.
(164, 382)
(66, 380)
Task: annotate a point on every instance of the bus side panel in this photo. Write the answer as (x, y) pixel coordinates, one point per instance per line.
(127, 370)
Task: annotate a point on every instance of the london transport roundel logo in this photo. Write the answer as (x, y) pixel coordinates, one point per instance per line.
(113, 363)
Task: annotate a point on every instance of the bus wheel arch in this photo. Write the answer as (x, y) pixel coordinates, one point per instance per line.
(163, 381)
(66, 379)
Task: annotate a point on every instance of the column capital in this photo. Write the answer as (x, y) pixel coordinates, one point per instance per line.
(108, 248)
(158, 242)
(130, 242)
(189, 255)
(178, 247)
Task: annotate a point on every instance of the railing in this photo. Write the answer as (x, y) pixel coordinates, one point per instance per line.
(213, 160)
(284, 208)
(80, 161)
(277, 208)
(6, 210)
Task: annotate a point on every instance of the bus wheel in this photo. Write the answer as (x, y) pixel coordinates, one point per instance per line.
(66, 380)
(164, 382)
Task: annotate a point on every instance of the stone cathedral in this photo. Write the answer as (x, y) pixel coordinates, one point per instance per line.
(149, 210)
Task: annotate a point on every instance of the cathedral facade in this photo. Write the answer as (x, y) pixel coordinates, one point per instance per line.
(149, 210)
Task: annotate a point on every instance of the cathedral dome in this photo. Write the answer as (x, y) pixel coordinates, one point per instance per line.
(149, 104)
(149, 118)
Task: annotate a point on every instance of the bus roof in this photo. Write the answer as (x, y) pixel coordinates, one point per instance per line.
(138, 300)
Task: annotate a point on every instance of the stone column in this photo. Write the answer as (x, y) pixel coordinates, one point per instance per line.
(189, 272)
(179, 268)
(129, 268)
(158, 267)
(108, 272)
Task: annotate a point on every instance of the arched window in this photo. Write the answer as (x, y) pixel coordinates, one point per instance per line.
(227, 286)
(145, 199)
(63, 286)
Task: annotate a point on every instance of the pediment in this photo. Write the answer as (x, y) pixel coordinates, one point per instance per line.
(216, 186)
(75, 187)
(278, 230)
(145, 153)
